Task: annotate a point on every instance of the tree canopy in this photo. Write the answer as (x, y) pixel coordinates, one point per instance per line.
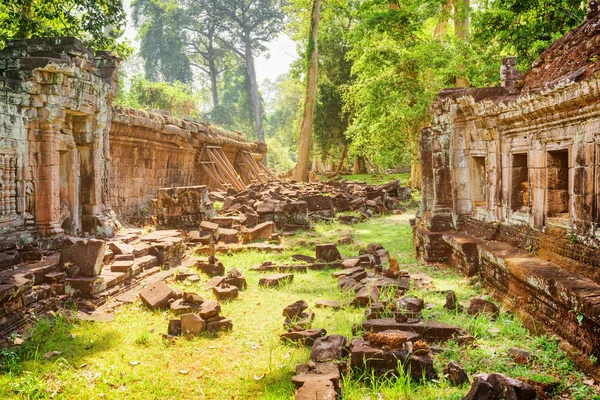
(97, 23)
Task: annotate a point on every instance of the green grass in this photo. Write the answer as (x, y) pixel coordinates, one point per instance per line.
(127, 358)
(378, 179)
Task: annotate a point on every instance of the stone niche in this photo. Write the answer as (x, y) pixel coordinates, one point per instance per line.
(55, 113)
(511, 187)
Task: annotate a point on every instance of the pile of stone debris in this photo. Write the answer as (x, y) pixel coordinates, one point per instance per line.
(394, 337)
(196, 314)
(255, 214)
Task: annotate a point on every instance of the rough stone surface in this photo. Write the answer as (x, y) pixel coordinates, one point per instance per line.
(276, 280)
(329, 348)
(192, 324)
(456, 374)
(328, 252)
(295, 309)
(157, 295)
(88, 255)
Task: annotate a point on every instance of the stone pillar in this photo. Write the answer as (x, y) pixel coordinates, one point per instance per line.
(47, 212)
(441, 217)
(426, 170)
(538, 182)
(461, 174)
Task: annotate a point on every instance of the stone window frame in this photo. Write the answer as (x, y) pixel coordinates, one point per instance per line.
(559, 221)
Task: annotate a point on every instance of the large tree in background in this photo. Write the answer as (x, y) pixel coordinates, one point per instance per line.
(97, 23)
(249, 25)
(162, 42)
(306, 129)
(522, 28)
(332, 118)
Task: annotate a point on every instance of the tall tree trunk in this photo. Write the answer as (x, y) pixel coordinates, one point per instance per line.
(212, 68)
(360, 166)
(461, 27)
(255, 97)
(442, 26)
(338, 170)
(301, 172)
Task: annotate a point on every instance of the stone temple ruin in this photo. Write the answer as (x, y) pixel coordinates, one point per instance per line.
(69, 161)
(511, 185)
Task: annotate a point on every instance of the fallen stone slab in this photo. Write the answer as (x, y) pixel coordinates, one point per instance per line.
(213, 282)
(180, 307)
(259, 232)
(121, 248)
(316, 389)
(225, 292)
(209, 309)
(193, 298)
(483, 307)
(301, 321)
(351, 263)
(304, 259)
(329, 348)
(218, 324)
(456, 374)
(276, 280)
(88, 255)
(347, 283)
(280, 268)
(317, 381)
(235, 278)
(157, 295)
(295, 309)
(365, 296)
(382, 360)
(304, 337)
(192, 324)
(499, 387)
(328, 252)
(211, 268)
(431, 331)
(333, 304)
(394, 339)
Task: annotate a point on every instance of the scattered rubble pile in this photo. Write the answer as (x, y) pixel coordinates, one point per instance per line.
(253, 214)
(196, 314)
(86, 270)
(393, 339)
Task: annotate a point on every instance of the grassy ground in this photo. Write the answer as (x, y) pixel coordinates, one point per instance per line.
(378, 179)
(127, 358)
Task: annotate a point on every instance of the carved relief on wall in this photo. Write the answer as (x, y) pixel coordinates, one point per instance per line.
(16, 191)
(8, 186)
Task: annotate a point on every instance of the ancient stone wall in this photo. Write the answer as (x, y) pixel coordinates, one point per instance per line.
(55, 108)
(68, 160)
(152, 150)
(511, 186)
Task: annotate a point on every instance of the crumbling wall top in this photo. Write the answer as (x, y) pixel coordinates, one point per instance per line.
(574, 57)
(133, 122)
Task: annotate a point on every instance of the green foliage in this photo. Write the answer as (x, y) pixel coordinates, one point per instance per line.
(97, 23)
(235, 112)
(522, 28)
(279, 157)
(176, 98)
(283, 109)
(162, 42)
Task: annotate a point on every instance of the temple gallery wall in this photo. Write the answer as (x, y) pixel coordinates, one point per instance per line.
(511, 186)
(69, 161)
